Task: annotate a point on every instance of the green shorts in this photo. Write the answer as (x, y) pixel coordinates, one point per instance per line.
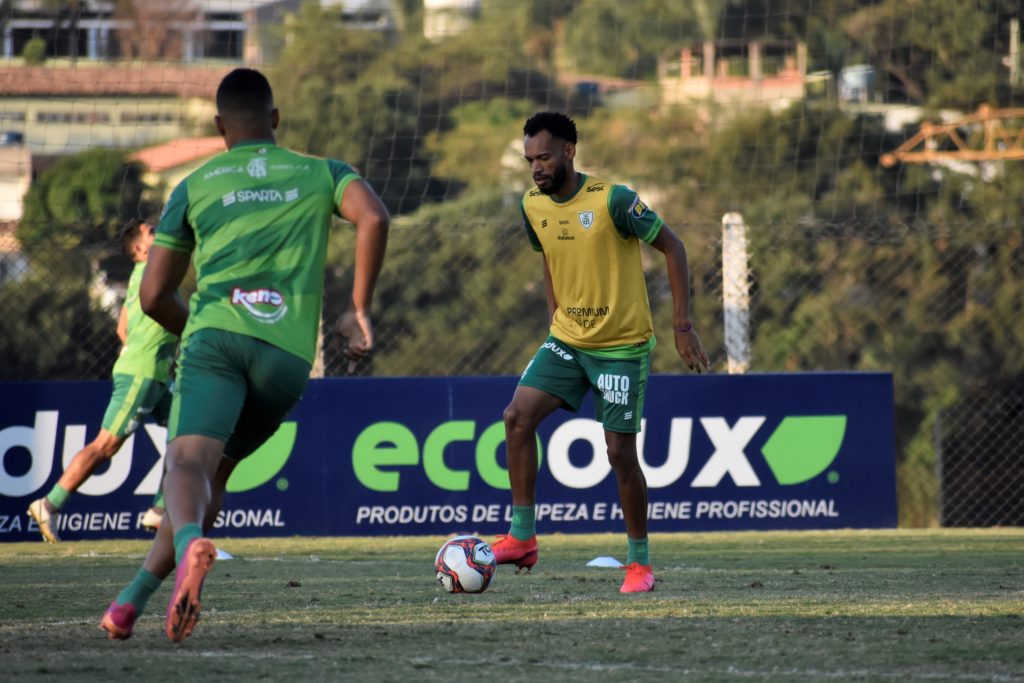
(134, 399)
(618, 384)
(235, 388)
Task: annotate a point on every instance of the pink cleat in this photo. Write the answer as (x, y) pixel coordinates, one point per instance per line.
(183, 609)
(510, 550)
(119, 620)
(639, 578)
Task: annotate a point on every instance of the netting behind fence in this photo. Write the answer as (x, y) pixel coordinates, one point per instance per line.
(782, 112)
(980, 445)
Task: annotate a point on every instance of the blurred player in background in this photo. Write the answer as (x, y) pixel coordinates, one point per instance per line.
(588, 231)
(254, 220)
(141, 390)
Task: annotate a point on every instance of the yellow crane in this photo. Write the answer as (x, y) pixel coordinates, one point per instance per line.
(1000, 138)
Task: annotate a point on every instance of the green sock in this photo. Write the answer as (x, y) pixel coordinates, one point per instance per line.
(182, 537)
(139, 591)
(158, 499)
(524, 522)
(636, 551)
(58, 496)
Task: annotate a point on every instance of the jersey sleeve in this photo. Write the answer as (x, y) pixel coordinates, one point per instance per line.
(174, 231)
(341, 175)
(631, 216)
(534, 240)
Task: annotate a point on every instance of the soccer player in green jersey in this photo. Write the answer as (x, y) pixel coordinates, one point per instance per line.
(141, 376)
(588, 231)
(254, 222)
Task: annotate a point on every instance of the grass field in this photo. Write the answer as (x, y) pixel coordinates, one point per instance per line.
(831, 606)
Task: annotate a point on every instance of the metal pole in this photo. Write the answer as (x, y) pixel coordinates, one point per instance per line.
(940, 471)
(1014, 57)
(736, 293)
(317, 371)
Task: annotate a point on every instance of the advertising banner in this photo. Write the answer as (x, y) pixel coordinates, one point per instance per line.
(372, 456)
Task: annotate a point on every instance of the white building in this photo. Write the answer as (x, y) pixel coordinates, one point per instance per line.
(15, 177)
(369, 15)
(170, 30)
(444, 18)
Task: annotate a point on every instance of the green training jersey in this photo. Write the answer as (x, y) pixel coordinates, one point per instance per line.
(149, 348)
(591, 241)
(255, 219)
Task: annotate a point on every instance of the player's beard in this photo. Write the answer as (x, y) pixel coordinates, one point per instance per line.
(557, 180)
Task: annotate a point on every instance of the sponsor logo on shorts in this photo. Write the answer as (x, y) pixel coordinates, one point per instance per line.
(614, 389)
(557, 350)
(266, 305)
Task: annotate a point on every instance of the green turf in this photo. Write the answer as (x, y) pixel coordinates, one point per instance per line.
(830, 606)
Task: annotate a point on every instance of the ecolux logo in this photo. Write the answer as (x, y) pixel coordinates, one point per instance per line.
(798, 450)
(40, 440)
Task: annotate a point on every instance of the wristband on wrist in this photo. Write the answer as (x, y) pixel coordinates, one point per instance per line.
(683, 329)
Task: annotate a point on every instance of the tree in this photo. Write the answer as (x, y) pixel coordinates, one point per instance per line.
(55, 331)
(349, 95)
(486, 135)
(819, 26)
(461, 281)
(73, 213)
(336, 102)
(153, 29)
(944, 53)
(614, 38)
(34, 51)
(69, 13)
(81, 201)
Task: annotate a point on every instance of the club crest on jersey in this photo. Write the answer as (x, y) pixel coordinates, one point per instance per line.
(266, 305)
(637, 209)
(586, 219)
(257, 168)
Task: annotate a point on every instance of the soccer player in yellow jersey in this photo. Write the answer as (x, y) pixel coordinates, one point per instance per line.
(588, 231)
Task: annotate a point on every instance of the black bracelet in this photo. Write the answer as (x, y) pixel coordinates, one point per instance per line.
(684, 329)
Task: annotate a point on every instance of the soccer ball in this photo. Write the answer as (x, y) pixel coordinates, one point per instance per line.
(465, 564)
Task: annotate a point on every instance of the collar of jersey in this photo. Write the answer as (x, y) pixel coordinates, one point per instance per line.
(253, 143)
(583, 181)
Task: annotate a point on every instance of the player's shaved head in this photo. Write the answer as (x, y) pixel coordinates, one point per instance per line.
(245, 108)
(245, 94)
(556, 123)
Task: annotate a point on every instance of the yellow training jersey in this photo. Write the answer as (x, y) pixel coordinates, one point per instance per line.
(591, 243)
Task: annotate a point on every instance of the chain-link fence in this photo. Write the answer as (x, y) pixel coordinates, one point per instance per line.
(853, 266)
(980, 447)
(940, 309)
